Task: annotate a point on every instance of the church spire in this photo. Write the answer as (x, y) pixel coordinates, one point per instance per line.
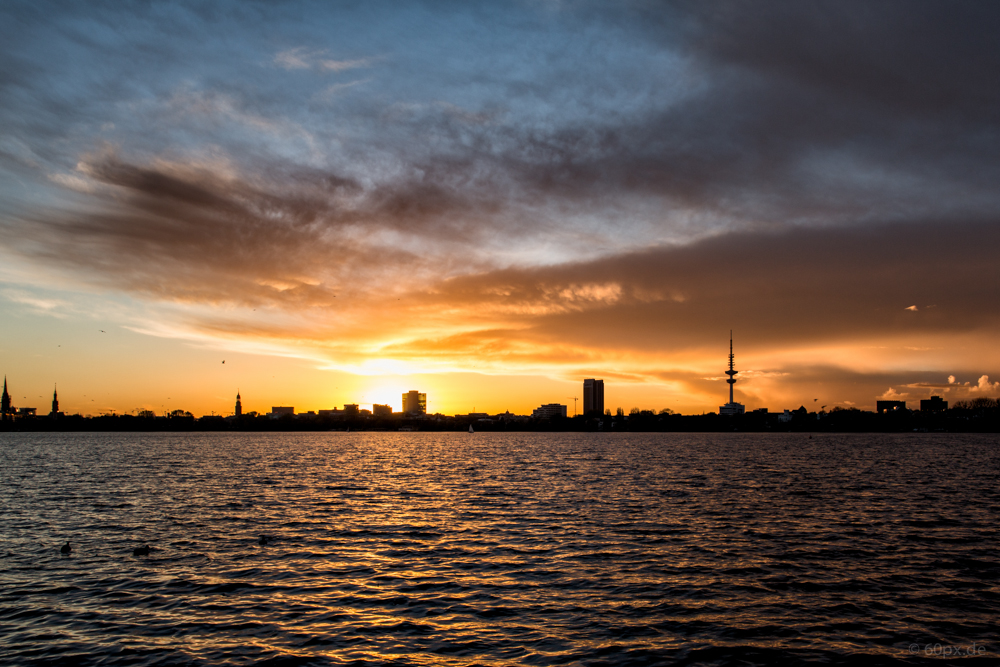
(5, 399)
(55, 399)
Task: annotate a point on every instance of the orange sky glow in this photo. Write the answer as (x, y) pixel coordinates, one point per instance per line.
(347, 208)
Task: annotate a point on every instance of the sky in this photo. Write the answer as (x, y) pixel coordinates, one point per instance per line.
(490, 202)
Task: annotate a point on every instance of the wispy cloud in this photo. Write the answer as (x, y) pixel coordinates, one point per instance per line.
(41, 304)
(337, 87)
(318, 59)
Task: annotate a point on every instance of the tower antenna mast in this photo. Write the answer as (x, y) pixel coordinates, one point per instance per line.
(732, 370)
(732, 407)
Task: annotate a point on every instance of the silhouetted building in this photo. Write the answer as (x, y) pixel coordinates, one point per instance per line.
(281, 411)
(239, 405)
(6, 409)
(381, 410)
(549, 411)
(351, 409)
(933, 404)
(593, 396)
(55, 402)
(415, 403)
(732, 407)
(890, 406)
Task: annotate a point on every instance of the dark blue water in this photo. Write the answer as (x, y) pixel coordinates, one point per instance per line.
(494, 549)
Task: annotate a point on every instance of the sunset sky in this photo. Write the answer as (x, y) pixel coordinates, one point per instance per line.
(490, 202)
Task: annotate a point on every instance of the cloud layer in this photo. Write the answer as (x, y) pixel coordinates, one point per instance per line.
(581, 187)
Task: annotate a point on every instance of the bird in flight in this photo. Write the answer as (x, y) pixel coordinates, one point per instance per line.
(102, 331)
(223, 361)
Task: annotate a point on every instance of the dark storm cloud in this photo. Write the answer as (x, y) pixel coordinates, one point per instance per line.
(751, 114)
(916, 58)
(291, 234)
(779, 289)
(815, 112)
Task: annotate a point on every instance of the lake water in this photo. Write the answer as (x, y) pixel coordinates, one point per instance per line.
(493, 549)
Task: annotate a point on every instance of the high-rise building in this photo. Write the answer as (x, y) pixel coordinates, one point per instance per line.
(239, 405)
(732, 407)
(593, 396)
(379, 410)
(415, 403)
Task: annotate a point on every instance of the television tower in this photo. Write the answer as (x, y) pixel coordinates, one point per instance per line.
(732, 371)
(732, 407)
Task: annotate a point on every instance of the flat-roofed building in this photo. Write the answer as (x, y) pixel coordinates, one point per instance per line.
(593, 396)
(549, 411)
(415, 403)
(933, 404)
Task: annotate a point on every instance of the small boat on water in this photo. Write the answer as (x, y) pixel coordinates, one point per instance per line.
(470, 429)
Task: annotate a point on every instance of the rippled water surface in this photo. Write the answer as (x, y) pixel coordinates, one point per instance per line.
(490, 549)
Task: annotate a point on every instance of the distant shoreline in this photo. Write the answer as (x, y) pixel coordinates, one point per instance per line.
(844, 421)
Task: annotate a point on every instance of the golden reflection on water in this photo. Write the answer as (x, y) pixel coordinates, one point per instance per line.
(435, 549)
